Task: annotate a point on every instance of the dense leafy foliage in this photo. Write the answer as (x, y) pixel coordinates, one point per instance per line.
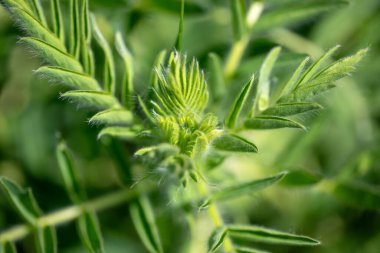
(180, 128)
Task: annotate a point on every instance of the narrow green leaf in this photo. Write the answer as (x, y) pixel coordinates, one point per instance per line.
(87, 57)
(158, 62)
(263, 87)
(23, 200)
(17, 4)
(216, 239)
(357, 194)
(92, 99)
(58, 24)
(109, 65)
(267, 235)
(127, 87)
(36, 29)
(239, 103)
(233, 143)
(113, 117)
(178, 43)
(291, 109)
(291, 84)
(271, 122)
(89, 232)
(69, 173)
(249, 250)
(52, 54)
(75, 29)
(238, 18)
(307, 93)
(216, 81)
(144, 221)
(72, 79)
(46, 240)
(8, 247)
(38, 10)
(243, 189)
(123, 133)
(163, 149)
(145, 109)
(313, 69)
(301, 178)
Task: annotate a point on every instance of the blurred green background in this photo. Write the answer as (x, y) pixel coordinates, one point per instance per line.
(338, 157)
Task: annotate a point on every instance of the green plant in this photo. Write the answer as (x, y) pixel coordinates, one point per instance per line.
(172, 130)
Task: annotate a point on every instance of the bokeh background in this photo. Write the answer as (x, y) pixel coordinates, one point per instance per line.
(333, 192)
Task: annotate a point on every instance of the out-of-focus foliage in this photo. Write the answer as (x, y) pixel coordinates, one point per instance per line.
(332, 189)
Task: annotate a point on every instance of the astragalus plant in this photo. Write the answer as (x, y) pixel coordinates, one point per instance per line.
(172, 137)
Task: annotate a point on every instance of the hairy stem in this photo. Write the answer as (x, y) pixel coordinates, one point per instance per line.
(215, 215)
(70, 213)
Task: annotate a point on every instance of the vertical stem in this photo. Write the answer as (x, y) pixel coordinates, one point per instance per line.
(215, 216)
(235, 55)
(239, 45)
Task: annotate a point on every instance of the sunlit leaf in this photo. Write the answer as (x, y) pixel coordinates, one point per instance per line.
(263, 86)
(123, 133)
(92, 99)
(112, 117)
(271, 122)
(52, 54)
(72, 79)
(261, 234)
(233, 143)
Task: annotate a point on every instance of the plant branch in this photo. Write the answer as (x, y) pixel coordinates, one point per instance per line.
(72, 212)
(239, 46)
(215, 215)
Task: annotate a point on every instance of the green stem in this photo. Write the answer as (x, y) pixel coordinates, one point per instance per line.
(235, 55)
(70, 213)
(215, 215)
(239, 46)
